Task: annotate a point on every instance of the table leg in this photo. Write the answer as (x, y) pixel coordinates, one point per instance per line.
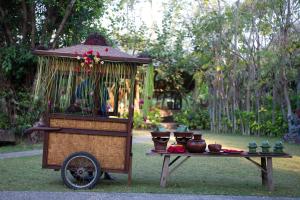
(165, 171)
(270, 174)
(263, 173)
(130, 171)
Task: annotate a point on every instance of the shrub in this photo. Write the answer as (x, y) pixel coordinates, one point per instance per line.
(153, 116)
(138, 120)
(194, 119)
(152, 119)
(27, 111)
(266, 126)
(4, 121)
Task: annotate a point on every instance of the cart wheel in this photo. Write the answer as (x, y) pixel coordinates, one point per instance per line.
(80, 170)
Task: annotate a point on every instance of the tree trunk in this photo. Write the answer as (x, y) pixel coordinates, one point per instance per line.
(227, 112)
(7, 30)
(257, 75)
(298, 89)
(257, 97)
(137, 97)
(235, 59)
(220, 115)
(33, 25)
(214, 110)
(248, 109)
(211, 107)
(284, 62)
(25, 20)
(286, 94)
(273, 102)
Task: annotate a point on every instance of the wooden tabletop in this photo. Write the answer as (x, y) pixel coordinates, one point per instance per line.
(221, 154)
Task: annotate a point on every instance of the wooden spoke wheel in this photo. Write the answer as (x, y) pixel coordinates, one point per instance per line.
(80, 170)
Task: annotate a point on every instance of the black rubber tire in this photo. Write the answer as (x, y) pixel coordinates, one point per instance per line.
(87, 156)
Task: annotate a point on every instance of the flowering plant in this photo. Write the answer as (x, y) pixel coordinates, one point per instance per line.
(89, 58)
(141, 101)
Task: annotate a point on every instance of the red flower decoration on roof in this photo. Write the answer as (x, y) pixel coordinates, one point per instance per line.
(90, 52)
(88, 59)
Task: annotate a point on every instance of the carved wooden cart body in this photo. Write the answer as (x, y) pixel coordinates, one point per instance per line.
(107, 139)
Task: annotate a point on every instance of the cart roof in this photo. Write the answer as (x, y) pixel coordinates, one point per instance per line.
(106, 53)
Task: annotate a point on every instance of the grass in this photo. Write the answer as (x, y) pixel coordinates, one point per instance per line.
(227, 176)
(20, 147)
(141, 132)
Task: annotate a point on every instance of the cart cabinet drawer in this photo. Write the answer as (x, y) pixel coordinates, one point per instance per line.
(110, 151)
(88, 124)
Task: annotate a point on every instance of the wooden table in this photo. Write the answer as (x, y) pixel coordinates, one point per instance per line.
(265, 165)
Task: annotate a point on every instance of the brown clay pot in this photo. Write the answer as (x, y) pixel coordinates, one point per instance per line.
(196, 145)
(214, 148)
(183, 137)
(160, 140)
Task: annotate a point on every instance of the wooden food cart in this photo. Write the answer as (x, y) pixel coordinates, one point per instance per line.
(89, 90)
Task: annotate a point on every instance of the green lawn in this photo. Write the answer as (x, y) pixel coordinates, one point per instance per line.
(229, 176)
(19, 147)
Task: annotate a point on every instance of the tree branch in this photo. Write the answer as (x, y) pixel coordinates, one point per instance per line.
(63, 22)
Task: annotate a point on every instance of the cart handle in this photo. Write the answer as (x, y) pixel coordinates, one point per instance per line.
(30, 130)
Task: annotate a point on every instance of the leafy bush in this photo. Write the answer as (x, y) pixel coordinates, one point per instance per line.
(153, 116)
(4, 121)
(266, 126)
(194, 119)
(152, 119)
(138, 120)
(27, 111)
(16, 61)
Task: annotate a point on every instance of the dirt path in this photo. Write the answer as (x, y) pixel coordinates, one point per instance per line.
(20, 154)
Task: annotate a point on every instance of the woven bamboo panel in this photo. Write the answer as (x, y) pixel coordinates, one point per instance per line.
(85, 124)
(109, 150)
